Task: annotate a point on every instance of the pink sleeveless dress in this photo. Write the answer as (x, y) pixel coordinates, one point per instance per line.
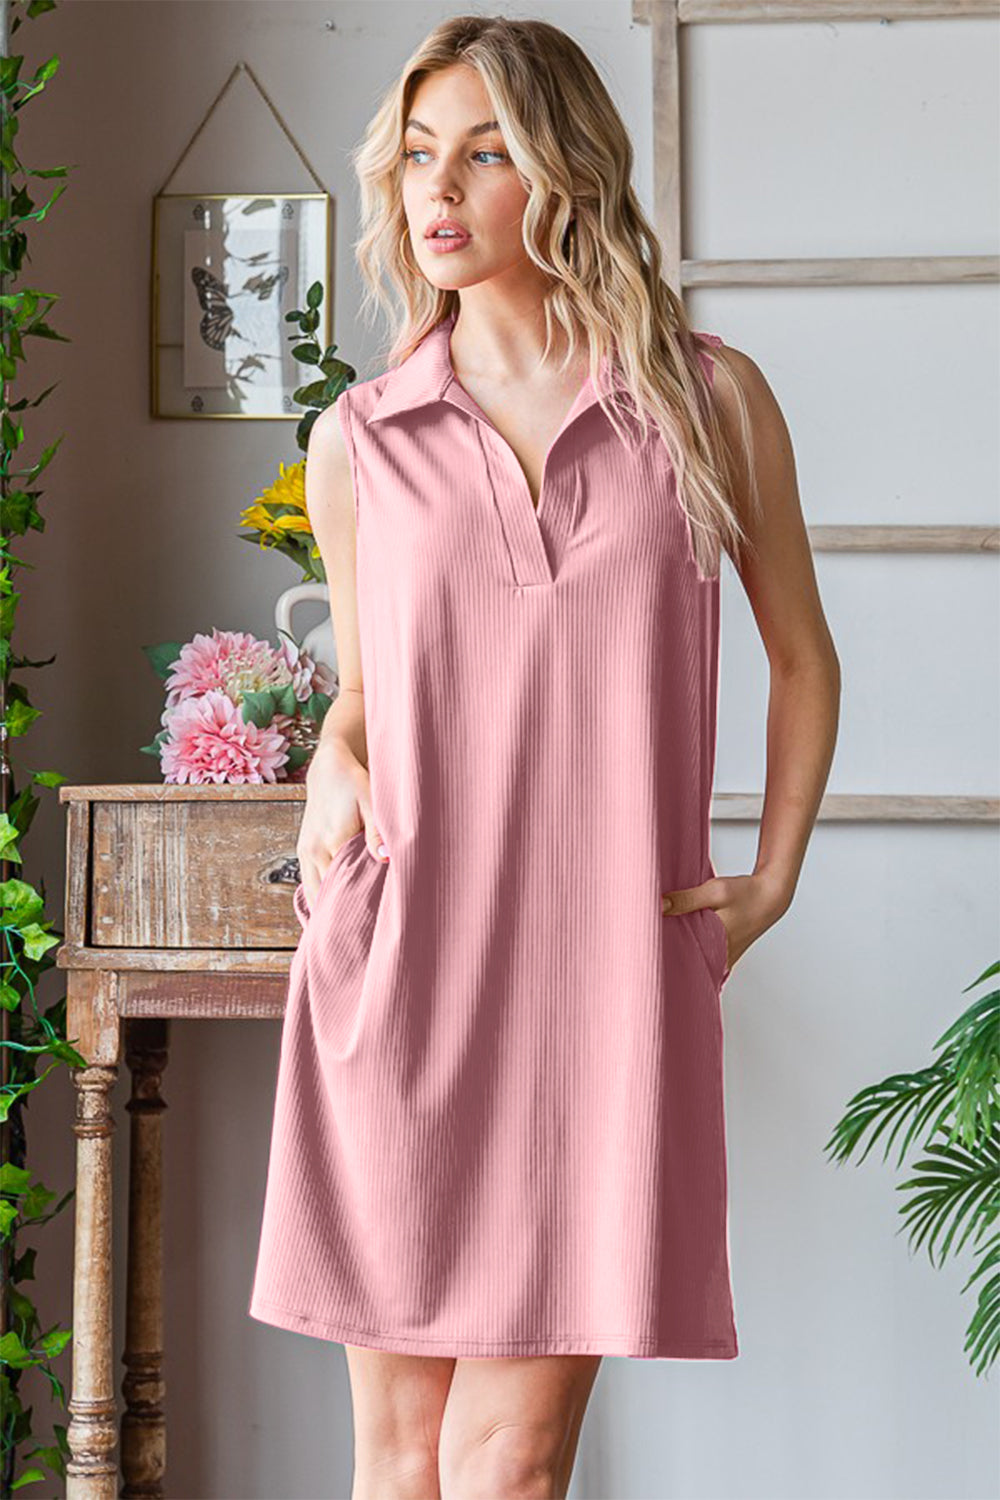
(499, 1116)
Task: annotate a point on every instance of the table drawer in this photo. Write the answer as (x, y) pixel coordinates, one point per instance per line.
(190, 874)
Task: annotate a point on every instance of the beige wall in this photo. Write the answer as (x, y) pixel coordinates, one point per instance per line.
(821, 139)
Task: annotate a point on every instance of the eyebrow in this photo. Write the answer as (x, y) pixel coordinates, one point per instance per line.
(485, 128)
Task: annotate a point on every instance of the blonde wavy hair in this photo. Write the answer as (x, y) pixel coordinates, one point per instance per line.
(583, 226)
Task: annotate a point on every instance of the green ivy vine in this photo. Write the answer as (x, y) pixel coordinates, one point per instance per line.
(29, 1039)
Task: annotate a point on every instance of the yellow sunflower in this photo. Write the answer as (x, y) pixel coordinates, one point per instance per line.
(288, 493)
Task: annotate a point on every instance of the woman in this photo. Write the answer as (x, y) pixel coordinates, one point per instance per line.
(499, 1148)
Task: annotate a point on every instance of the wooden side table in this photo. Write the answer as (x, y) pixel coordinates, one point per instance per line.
(178, 903)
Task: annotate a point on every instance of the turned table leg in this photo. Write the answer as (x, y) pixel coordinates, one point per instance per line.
(91, 1471)
(144, 1438)
(92, 1024)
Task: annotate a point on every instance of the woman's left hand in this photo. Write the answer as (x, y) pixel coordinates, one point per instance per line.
(746, 905)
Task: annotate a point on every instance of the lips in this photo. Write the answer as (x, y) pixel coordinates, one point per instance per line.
(448, 230)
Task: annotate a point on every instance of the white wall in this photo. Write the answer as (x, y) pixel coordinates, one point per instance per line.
(805, 140)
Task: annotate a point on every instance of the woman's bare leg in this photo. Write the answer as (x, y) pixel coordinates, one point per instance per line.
(398, 1402)
(511, 1426)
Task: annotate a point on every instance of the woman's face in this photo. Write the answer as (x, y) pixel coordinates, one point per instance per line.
(456, 167)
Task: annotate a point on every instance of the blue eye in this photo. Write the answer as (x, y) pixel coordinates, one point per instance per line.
(416, 151)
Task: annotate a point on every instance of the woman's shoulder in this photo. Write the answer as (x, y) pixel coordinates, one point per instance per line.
(735, 359)
(335, 427)
(738, 365)
(360, 398)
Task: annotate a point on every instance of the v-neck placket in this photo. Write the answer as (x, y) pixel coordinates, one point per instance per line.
(535, 535)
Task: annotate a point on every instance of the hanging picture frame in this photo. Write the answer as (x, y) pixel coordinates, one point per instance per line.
(226, 268)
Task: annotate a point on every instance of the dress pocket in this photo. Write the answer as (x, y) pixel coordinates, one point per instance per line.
(339, 856)
(710, 934)
(721, 941)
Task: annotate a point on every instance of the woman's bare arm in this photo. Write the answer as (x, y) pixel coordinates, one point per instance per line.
(338, 799)
(780, 583)
(804, 698)
(330, 502)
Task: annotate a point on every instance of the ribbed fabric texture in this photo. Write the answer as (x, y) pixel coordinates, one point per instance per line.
(499, 1118)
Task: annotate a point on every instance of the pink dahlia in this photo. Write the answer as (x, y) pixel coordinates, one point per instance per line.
(305, 675)
(232, 660)
(208, 740)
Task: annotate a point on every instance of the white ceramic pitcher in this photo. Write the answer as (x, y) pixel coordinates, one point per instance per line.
(319, 642)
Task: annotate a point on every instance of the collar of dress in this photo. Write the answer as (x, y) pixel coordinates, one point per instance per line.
(427, 375)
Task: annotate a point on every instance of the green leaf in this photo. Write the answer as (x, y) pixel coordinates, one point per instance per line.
(285, 701)
(64, 1050)
(20, 715)
(55, 1342)
(14, 1179)
(37, 941)
(30, 1476)
(19, 902)
(315, 706)
(163, 656)
(19, 513)
(8, 840)
(155, 747)
(10, 998)
(310, 395)
(13, 1352)
(258, 708)
(49, 68)
(49, 778)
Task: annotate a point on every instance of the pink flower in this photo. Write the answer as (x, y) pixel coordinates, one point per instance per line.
(306, 676)
(208, 740)
(232, 660)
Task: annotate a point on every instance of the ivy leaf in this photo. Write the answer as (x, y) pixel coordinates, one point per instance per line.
(20, 715)
(14, 1179)
(36, 940)
(55, 1342)
(30, 1476)
(20, 902)
(8, 841)
(49, 778)
(66, 1052)
(13, 1352)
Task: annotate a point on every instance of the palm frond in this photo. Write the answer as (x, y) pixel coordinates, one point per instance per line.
(954, 1189)
(952, 1185)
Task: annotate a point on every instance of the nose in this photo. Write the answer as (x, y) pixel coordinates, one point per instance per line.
(442, 186)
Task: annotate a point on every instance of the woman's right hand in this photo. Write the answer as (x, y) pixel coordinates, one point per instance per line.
(338, 805)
